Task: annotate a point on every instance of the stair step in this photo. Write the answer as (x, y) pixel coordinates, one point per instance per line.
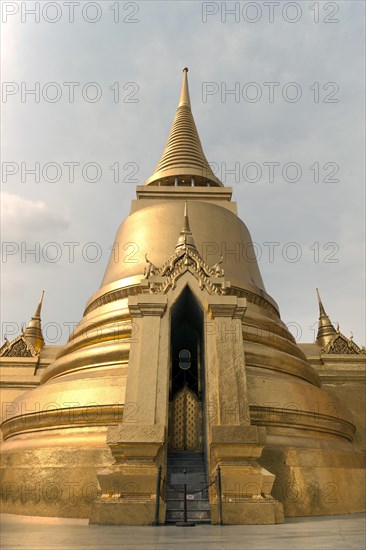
(181, 465)
(198, 522)
(177, 515)
(175, 495)
(188, 469)
(198, 509)
(192, 506)
(173, 498)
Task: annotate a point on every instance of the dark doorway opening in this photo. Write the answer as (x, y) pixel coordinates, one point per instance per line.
(186, 412)
(186, 381)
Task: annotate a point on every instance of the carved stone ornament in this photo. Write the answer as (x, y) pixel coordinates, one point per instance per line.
(187, 258)
(342, 345)
(19, 347)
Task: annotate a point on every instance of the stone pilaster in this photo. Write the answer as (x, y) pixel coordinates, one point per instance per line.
(128, 488)
(234, 444)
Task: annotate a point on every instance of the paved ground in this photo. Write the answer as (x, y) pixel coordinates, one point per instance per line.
(331, 532)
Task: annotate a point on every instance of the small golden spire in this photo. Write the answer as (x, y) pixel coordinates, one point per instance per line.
(186, 228)
(185, 237)
(39, 307)
(321, 307)
(183, 161)
(326, 330)
(33, 332)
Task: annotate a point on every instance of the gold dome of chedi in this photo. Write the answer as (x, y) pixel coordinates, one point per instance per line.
(154, 230)
(56, 433)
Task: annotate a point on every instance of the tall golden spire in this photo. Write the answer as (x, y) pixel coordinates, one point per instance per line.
(33, 332)
(183, 161)
(326, 330)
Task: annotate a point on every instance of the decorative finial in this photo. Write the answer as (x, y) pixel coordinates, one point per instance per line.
(185, 237)
(31, 336)
(186, 229)
(33, 331)
(321, 307)
(39, 307)
(184, 94)
(326, 330)
(150, 268)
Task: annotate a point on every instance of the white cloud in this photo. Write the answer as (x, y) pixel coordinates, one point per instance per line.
(25, 220)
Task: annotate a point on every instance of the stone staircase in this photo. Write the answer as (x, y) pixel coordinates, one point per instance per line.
(198, 506)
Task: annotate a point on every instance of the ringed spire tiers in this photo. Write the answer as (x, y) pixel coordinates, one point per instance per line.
(33, 332)
(183, 162)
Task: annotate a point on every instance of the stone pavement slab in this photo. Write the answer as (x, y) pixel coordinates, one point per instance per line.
(346, 532)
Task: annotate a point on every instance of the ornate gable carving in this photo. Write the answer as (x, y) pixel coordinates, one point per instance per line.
(19, 347)
(158, 280)
(342, 345)
(187, 258)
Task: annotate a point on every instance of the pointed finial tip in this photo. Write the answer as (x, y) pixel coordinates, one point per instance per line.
(38, 310)
(185, 70)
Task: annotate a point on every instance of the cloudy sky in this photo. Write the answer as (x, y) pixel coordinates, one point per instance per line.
(289, 139)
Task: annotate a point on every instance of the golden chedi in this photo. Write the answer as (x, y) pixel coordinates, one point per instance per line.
(180, 362)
